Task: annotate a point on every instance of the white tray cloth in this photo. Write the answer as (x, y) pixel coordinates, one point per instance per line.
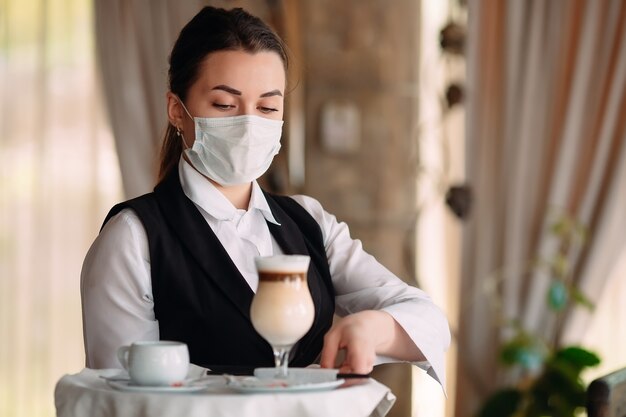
(86, 394)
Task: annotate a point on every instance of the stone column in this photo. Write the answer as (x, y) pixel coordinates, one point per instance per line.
(363, 55)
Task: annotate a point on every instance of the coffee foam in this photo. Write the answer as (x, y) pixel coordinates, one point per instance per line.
(282, 263)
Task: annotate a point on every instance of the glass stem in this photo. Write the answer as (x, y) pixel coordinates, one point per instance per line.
(281, 359)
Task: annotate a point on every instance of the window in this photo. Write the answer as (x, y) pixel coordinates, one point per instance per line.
(58, 176)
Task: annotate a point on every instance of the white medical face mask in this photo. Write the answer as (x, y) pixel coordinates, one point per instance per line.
(234, 150)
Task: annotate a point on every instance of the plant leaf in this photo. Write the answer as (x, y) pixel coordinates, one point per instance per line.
(557, 295)
(557, 392)
(577, 356)
(523, 350)
(560, 265)
(560, 227)
(580, 298)
(503, 403)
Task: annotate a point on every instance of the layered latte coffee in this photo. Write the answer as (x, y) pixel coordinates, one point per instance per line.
(282, 310)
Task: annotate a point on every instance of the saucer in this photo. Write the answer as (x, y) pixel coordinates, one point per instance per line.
(297, 380)
(256, 385)
(300, 375)
(126, 385)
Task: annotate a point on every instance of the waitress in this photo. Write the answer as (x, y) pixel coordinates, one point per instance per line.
(178, 263)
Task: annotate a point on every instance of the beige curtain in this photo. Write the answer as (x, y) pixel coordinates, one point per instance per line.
(58, 178)
(546, 133)
(133, 42)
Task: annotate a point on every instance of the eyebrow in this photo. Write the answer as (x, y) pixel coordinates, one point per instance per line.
(238, 93)
(227, 89)
(271, 93)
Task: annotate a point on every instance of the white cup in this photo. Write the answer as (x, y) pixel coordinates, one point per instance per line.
(155, 363)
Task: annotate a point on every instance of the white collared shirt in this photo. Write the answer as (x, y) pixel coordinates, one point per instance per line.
(116, 285)
(243, 233)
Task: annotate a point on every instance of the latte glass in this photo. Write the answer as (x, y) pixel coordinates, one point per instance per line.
(282, 309)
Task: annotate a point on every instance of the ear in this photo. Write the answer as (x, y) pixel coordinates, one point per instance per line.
(175, 111)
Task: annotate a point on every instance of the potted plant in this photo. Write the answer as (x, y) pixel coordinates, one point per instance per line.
(548, 381)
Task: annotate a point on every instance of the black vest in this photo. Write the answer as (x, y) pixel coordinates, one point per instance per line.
(201, 298)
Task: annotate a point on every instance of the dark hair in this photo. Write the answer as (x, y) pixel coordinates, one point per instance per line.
(211, 30)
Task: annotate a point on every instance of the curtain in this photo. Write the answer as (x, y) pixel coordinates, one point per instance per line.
(546, 134)
(58, 177)
(133, 42)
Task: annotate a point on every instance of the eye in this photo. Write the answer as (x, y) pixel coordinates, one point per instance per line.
(267, 110)
(224, 107)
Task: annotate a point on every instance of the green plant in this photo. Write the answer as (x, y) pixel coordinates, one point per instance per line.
(549, 379)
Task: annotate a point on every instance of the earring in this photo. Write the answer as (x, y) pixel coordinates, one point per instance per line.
(178, 131)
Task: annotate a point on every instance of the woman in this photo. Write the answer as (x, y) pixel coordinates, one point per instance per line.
(178, 263)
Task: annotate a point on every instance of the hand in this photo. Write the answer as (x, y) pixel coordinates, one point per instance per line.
(362, 335)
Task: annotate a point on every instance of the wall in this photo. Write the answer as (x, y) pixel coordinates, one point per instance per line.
(366, 54)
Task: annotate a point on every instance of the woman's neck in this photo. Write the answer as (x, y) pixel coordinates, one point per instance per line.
(238, 195)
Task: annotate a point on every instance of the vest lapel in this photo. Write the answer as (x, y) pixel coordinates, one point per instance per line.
(198, 238)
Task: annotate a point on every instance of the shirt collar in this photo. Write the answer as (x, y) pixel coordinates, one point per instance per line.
(203, 193)
(259, 202)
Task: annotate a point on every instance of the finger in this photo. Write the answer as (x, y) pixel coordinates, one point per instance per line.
(330, 349)
(358, 360)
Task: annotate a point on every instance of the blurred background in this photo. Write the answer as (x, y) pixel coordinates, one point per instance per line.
(477, 148)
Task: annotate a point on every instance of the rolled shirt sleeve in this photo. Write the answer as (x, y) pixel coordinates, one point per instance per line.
(362, 283)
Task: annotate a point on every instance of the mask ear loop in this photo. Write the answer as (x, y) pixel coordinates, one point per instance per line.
(184, 107)
(179, 133)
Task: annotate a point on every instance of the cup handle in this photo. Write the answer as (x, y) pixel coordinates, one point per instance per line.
(122, 356)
